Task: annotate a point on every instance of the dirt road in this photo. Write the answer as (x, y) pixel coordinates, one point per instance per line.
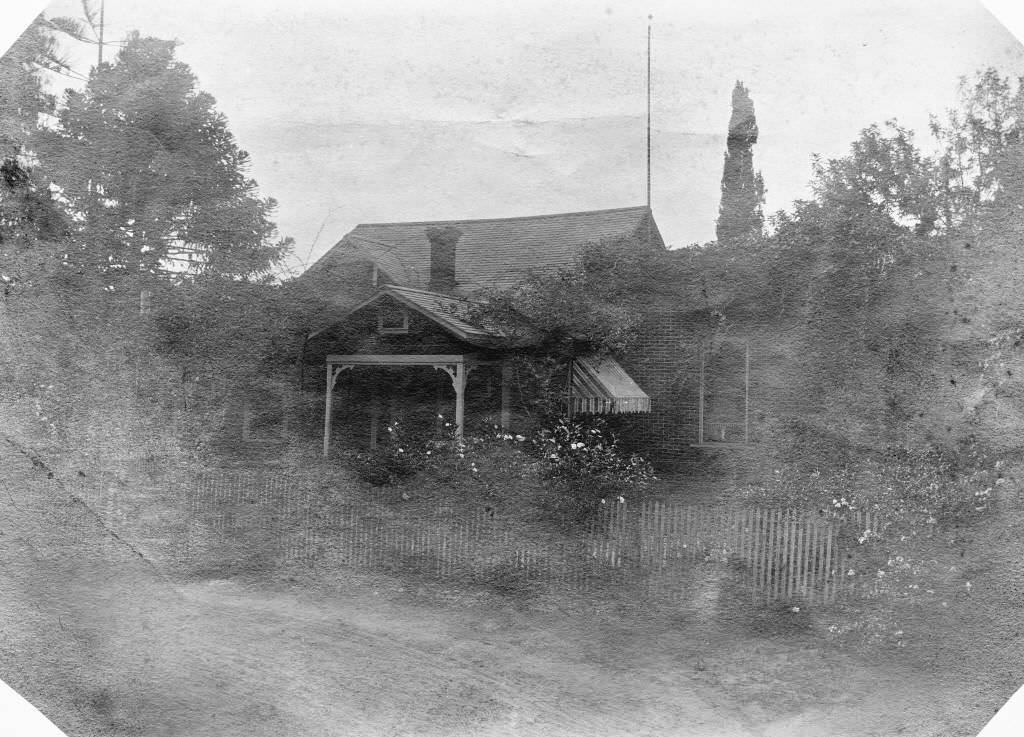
(106, 645)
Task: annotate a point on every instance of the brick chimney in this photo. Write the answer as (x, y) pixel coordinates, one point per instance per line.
(443, 240)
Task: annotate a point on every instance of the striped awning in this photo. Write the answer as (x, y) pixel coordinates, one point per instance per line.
(601, 386)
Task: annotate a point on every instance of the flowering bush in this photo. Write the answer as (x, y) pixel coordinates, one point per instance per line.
(379, 467)
(573, 465)
(929, 486)
(585, 458)
(907, 572)
(443, 455)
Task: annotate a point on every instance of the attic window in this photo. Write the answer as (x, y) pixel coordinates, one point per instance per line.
(375, 275)
(392, 320)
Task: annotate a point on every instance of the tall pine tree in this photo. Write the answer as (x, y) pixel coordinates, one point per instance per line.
(154, 177)
(740, 218)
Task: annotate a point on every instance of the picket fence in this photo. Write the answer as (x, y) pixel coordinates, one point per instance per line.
(780, 554)
(776, 554)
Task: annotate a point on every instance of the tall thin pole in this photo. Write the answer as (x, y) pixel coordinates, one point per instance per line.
(102, 8)
(649, 19)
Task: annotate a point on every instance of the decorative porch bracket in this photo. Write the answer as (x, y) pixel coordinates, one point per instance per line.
(459, 373)
(333, 372)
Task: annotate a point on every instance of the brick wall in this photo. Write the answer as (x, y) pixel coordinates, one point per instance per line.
(667, 366)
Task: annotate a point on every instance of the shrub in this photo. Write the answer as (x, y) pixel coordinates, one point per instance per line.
(934, 485)
(381, 467)
(568, 469)
(488, 456)
(584, 461)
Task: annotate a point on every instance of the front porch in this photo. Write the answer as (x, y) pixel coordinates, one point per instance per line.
(457, 366)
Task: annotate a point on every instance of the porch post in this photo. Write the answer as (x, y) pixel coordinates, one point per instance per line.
(333, 371)
(458, 370)
(459, 382)
(506, 394)
(328, 409)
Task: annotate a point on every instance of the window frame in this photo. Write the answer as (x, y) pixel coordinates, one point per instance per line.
(383, 329)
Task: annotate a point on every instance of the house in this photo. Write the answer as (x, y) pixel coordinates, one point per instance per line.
(411, 339)
(411, 289)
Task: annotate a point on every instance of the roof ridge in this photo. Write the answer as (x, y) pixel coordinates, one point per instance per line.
(508, 219)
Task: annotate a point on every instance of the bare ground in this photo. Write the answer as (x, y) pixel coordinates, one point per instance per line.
(105, 644)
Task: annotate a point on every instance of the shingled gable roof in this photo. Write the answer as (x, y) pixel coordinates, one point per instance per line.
(453, 314)
(491, 253)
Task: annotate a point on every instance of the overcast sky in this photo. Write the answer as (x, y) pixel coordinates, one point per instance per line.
(363, 111)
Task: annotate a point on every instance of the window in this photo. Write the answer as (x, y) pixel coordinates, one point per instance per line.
(723, 417)
(392, 320)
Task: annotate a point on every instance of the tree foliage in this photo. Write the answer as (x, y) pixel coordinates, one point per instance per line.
(740, 217)
(153, 177)
(976, 137)
(30, 221)
(884, 174)
(131, 182)
(595, 304)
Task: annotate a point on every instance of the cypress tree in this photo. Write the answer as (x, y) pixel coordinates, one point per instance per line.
(740, 218)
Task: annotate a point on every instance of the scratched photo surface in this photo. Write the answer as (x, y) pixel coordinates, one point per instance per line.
(435, 368)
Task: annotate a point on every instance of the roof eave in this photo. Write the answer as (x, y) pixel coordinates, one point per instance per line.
(486, 338)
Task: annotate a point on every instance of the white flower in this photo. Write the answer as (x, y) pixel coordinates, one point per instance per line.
(622, 500)
(520, 438)
(795, 609)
